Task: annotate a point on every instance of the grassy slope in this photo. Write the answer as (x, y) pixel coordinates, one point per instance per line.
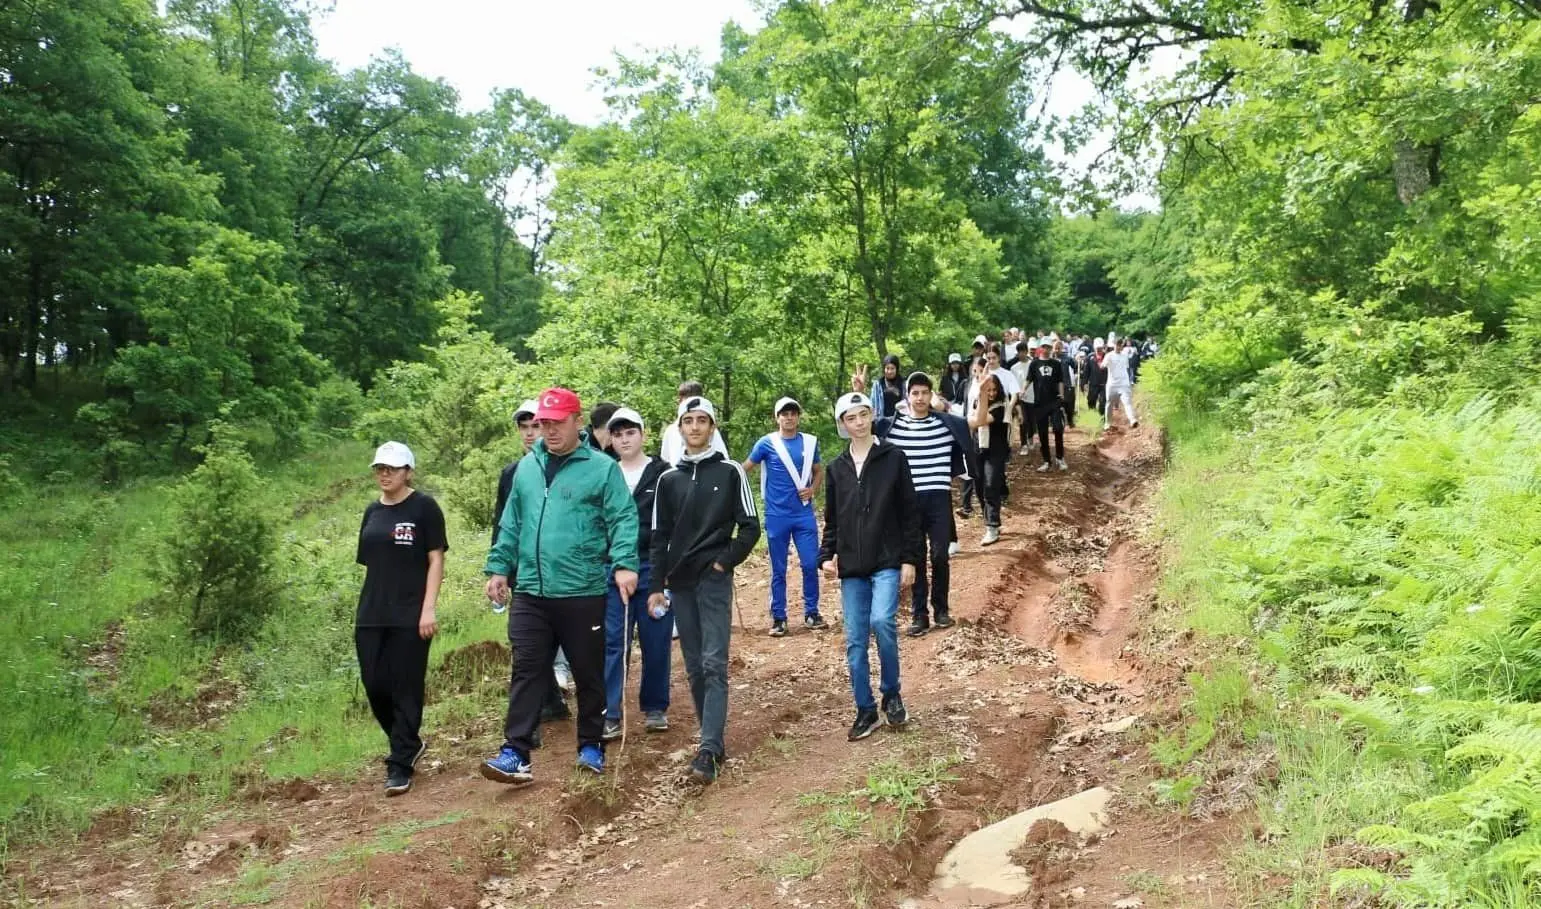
(83, 733)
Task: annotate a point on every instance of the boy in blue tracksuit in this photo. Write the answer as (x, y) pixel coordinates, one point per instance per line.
(792, 474)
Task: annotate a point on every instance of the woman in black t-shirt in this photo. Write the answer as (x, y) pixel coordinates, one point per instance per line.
(401, 544)
(989, 420)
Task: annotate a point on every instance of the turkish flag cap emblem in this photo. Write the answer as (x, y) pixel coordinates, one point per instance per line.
(557, 404)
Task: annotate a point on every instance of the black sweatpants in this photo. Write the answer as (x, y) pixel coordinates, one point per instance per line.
(1025, 423)
(393, 663)
(1043, 418)
(1096, 397)
(936, 527)
(536, 627)
(993, 487)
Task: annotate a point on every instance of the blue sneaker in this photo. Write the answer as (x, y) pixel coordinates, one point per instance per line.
(591, 758)
(509, 766)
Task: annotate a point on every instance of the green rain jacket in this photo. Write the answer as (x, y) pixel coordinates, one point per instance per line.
(562, 538)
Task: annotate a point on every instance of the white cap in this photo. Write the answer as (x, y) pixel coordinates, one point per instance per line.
(846, 403)
(697, 403)
(981, 339)
(1097, 343)
(526, 409)
(625, 415)
(393, 454)
(783, 404)
(955, 358)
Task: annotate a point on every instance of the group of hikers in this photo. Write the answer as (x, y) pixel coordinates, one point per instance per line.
(597, 544)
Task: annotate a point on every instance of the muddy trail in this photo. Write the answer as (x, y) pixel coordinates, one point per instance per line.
(1051, 683)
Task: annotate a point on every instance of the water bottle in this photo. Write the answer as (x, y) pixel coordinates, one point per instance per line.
(497, 608)
(659, 612)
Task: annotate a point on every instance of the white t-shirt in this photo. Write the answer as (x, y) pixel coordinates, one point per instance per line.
(672, 446)
(634, 476)
(1117, 365)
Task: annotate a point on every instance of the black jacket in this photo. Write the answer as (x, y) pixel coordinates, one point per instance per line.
(505, 483)
(955, 387)
(872, 522)
(697, 505)
(643, 495)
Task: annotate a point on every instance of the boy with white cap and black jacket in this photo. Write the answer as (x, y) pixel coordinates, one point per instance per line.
(704, 525)
(872, 543)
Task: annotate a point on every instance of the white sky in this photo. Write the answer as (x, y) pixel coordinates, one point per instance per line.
(548, 48)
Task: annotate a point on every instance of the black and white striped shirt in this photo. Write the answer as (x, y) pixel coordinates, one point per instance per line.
(928, 446)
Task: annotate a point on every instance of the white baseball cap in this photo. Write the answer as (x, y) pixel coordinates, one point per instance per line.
(393, 454)
(846, 403)
(783, 404)
(697, 403)
(625, 415)
(527, 410)
(955, 358)
(981, 339)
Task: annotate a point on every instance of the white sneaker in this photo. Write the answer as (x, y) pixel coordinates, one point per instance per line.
(1060, 463)
(992, 535)
(1044, 467)
(953, 548)
(1025, 451)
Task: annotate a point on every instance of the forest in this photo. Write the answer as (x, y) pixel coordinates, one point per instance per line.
(228, 264)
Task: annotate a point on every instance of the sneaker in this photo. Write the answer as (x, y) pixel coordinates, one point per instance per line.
(591, 758)
(1060, 463)
(954, 548)
(918, 627)
(992, 535)
(1044, 467)
(964, 512)
(657, 721)
(422, 747)
(612, 730)
(867, 722)
(397, 783)
(943, 620)
(779, 628)
(893, 709)
(815, 622)
(509, 766)
(1025, 451)
(705, 766)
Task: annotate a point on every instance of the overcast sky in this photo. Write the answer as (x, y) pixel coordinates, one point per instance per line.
(548, 49)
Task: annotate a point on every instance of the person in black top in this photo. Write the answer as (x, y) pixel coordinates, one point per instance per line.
(599, 427)
(401, 544)
(989, 421)
(1048, 377)
(955, 381)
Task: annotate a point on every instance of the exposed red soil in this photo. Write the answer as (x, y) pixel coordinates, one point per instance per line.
(1052, 641)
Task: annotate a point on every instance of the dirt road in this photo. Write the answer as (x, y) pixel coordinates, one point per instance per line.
(1053, 641)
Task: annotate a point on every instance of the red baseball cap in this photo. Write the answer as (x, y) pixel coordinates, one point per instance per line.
(557, 404)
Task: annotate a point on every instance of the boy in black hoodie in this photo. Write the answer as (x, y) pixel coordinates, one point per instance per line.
(872, 542)
(694, 551)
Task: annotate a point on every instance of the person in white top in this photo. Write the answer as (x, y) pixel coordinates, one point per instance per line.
(672, 447)
(1120, 384)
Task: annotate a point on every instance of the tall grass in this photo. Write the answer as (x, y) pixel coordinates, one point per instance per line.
(1385, 562)
(83, 731)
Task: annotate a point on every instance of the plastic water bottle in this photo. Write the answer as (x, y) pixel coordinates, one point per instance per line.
(497, 608)
(659, 612)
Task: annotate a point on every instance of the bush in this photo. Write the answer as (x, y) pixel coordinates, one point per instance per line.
(339, 402)
(215, 563)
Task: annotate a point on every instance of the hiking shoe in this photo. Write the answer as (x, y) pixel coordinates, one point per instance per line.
(705, 766)
(815, 622)
(612, 731)
(657, 721)
(919, 626)
(992, 535)
(893, 709)
(779, 628)
(591, 758)
(509, 766)
(397, 783)
(964, 512)
(1060, 463)
(1044, 467)
(943, 620)
(867, 722)
(422, 747)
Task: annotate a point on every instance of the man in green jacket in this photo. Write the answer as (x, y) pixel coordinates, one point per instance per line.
(568, 516)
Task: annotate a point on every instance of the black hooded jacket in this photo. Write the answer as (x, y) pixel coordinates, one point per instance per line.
(871, 521)
(697, 506)
(643, 495)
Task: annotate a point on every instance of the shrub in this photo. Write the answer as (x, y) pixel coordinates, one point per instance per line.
(339, 402)
(215, 562)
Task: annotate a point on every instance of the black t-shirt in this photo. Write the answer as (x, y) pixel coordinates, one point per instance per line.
(999, 441)
(393, 546)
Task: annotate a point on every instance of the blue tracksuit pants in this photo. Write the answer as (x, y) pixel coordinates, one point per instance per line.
(802, 530)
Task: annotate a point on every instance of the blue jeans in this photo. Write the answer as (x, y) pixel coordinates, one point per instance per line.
(870, 606)
(655, 636)
(801, 529)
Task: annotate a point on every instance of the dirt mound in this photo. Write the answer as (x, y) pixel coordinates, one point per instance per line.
(468, 669)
